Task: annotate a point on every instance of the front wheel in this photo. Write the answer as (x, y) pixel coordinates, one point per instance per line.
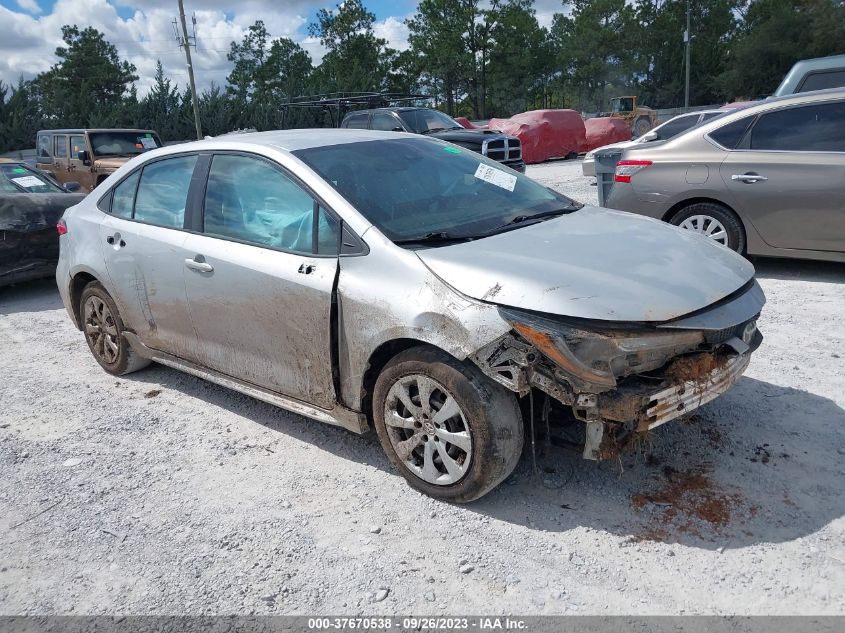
(714, 221)
(453, 433)
(641, 127)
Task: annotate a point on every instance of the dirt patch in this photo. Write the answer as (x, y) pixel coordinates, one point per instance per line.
(695, 368)
(152, 393)
(691, 503)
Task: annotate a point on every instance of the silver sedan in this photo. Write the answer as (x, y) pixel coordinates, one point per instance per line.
(374, 279)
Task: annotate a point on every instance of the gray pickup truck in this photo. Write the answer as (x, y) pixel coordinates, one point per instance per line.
(500, 147)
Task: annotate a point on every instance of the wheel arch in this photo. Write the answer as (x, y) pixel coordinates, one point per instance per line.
(379, 358)
(683, 204)
(77, 285)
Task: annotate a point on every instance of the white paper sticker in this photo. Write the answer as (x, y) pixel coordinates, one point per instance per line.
(148, 143)
(28, 181)
(495, 177)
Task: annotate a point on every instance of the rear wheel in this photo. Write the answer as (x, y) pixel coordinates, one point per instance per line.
(712, 220)
(453, 433)
(104, 332)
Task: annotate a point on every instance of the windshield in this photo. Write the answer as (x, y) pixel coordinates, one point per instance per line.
(423, 120)
(121, 143)
(413, 187)
(21, 179)
(622, 104)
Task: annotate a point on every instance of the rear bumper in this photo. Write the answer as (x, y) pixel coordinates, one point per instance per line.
(622, 197)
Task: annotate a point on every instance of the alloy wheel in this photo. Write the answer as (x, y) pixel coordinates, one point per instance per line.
(708, 226)
(428, 430)
(101, 330)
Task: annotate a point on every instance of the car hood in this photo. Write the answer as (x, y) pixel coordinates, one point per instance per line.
(594, 264)
(110, 163)
(467, 136)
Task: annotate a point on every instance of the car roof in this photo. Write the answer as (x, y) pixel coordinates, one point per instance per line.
(766, 104)
(389, 109)
(801, 68)
(292, 140)
(82, 130)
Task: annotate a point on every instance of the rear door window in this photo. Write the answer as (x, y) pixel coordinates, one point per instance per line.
(60, 146)
(163, 191)
(356, 121)
(385, 122)
(810, 128)
(677, 125)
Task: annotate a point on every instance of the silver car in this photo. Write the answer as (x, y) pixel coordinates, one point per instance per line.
(375, 279)
(768, 179)
(664, 131)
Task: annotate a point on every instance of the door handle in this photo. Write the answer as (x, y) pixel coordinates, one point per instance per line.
(749, 178)
(307, 269)
(199, 266)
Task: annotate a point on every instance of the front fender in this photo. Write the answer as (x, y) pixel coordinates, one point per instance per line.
(387, 296)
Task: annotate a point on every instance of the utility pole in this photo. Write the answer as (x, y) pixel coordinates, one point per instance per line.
(687, 41)
(185, 42)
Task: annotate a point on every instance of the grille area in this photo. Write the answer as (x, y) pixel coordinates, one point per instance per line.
(503, 149)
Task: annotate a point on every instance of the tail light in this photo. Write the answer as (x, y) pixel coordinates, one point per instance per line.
(627, 168)
(61, 227)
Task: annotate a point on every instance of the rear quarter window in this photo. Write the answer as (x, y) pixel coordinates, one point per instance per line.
(729, 136)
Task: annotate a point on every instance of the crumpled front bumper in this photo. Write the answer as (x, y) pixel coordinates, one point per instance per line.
(670, 403)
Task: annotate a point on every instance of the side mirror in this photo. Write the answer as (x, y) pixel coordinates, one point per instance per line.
(72, 185)
(650, 136)
(83, 156)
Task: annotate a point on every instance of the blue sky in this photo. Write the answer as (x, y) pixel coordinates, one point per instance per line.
(30, 31)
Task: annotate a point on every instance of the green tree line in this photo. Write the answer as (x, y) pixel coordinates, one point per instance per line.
(470, 57)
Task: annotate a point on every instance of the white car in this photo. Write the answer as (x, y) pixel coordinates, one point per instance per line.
(663, 132)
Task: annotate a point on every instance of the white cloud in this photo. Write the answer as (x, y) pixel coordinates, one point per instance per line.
(28, 42)
(394, 30)
(30, 6)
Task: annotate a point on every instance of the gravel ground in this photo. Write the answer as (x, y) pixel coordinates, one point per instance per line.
(159, 493)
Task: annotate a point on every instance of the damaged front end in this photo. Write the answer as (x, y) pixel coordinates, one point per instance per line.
(621, 379)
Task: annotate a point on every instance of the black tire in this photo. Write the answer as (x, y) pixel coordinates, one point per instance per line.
(111, 351)
(721, 214)
(490, 413)
(641, 126)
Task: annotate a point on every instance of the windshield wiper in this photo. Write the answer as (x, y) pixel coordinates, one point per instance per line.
(434, 129)
(438, 237)
(537, 217)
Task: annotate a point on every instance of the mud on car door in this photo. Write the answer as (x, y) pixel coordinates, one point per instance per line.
(259, 275)
(142, 244)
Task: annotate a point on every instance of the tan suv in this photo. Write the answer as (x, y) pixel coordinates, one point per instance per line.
(90, 156)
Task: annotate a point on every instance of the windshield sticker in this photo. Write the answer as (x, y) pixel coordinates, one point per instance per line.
(452, 150)
(148, 143)
(495, 177)
(19, 170)
(27, 182)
